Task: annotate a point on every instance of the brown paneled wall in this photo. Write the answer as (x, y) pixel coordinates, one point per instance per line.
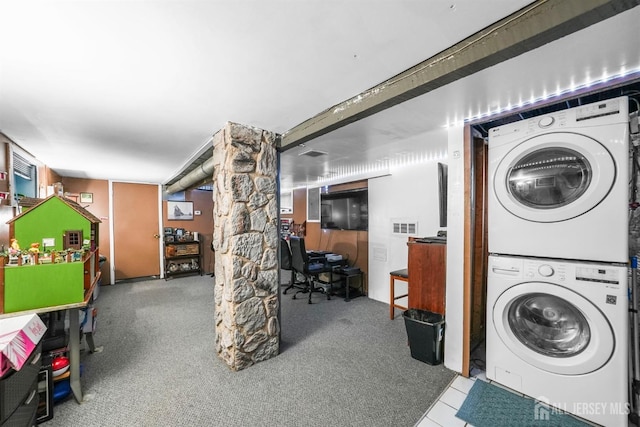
(203, 223)
(46, 178)
(100, 207)
(202, 201)
(353, 245)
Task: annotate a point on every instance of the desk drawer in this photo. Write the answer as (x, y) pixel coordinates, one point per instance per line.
(25, 415)
(15, 386)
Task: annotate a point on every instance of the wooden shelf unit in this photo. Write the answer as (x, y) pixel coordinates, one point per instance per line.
(182, 258)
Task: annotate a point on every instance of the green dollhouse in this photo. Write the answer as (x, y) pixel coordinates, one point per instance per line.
(53, 256)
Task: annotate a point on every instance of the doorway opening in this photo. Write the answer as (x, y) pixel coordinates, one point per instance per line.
(477, 253)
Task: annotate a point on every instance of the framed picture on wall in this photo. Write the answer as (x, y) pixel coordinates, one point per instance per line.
(86, 197)
(179, 211)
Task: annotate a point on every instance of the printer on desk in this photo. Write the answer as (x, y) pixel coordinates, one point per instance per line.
(350, 270)
(321, 256)
(441, 237)
(333, 257)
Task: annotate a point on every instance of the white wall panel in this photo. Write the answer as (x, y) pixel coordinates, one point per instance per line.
(410, 193)
(455, 251)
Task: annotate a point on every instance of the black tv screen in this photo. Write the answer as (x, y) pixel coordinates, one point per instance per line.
(442, 192)
(345, 210)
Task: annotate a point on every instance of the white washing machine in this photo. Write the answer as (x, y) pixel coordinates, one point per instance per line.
(557, 331)
(559, 184)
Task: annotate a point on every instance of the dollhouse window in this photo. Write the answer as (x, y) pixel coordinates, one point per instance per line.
(73, 239)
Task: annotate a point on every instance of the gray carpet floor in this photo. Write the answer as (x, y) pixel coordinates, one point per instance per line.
(341, 364)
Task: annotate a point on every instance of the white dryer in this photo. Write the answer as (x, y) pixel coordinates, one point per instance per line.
(559, 184)
(557, 331)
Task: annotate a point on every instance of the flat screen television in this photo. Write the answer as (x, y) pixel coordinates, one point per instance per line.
(442, 192)
(345, 210)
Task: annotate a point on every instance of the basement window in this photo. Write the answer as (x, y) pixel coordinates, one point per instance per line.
(25, 177)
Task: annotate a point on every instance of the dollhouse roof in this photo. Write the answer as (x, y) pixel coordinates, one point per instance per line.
(73, 205)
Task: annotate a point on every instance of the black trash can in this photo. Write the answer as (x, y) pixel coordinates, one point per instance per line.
(425, 331)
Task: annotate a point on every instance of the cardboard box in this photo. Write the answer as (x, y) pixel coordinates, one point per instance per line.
(18, 337)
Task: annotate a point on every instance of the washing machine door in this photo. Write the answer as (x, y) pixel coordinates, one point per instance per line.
(554, 177)
(553, 328)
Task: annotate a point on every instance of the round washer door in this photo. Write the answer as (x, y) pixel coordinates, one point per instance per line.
(554, 177)
(553, 328)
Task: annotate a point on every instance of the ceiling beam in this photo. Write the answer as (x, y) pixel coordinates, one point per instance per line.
(531, 27)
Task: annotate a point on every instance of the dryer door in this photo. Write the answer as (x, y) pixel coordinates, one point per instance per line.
(553, 328)
(554, 177)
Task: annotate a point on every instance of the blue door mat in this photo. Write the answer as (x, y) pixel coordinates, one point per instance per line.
(488, 405)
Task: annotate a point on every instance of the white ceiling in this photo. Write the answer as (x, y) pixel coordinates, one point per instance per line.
(604, 49)
(135, 89)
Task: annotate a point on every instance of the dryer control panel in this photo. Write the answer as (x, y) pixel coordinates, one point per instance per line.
(599, 113)
(598, 109)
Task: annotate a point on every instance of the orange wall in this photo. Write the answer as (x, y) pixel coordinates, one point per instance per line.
(72, 187)
(100, 208)
(203, 223)
(46, 177)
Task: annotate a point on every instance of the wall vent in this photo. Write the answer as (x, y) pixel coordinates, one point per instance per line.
(312, 153)
(313, 204)
(404, 227)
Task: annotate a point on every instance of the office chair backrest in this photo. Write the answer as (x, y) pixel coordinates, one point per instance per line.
(298, 254)
(285, 255)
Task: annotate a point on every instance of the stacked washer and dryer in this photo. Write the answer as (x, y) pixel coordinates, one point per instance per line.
(557, 287)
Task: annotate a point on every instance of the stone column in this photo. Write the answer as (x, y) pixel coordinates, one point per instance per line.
(245, 240)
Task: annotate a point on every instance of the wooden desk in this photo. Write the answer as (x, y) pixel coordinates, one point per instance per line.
(427, 273)
(74, 337)
(347, 281)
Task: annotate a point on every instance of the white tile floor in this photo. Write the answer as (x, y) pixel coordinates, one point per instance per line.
(443, 412)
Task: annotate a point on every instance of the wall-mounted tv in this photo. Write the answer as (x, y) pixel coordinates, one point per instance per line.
(345, 210)
(443, 177)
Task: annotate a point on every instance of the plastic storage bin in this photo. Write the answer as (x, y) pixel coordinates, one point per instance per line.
(425, 331)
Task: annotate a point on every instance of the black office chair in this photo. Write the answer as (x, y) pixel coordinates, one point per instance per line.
(302, 265)
(286, 264)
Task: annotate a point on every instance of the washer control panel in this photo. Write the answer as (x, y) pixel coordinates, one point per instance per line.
(539, 269)
(545, 270)
(569, 273)
(598, 274)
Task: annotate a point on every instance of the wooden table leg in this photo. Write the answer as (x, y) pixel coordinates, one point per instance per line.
(392, 294)
(392, 297)
(74, 353)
